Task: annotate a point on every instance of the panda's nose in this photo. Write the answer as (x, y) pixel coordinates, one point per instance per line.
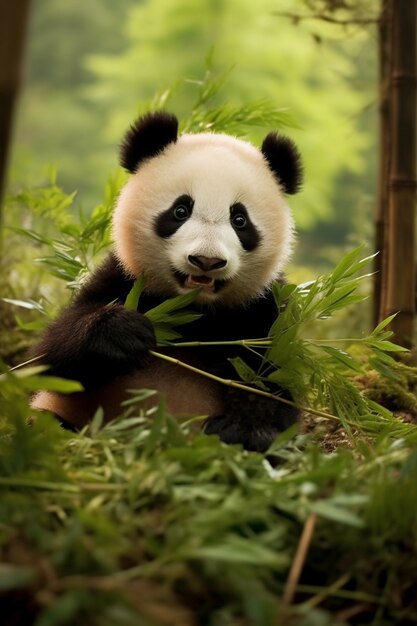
(206, 263)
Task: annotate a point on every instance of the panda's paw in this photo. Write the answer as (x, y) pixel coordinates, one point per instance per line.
(125, 338)
(232, 431)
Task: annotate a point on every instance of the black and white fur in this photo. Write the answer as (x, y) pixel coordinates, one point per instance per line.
(200, 210)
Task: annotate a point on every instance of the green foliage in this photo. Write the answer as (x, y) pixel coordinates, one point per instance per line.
(317, 372)
(172, 313)
(141, 513)
(61, 241)
(207, 114)
(81, 237)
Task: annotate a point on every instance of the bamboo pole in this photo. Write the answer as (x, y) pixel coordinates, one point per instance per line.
(400, 292)
(384, 151)
(13, 21)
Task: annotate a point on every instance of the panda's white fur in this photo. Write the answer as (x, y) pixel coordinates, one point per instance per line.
(216, 171)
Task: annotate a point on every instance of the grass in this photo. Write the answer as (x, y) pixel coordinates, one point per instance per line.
(146, 521)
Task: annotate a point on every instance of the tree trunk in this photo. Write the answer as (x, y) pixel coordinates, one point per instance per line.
(13, 20)
(399, 295)
(384, 151)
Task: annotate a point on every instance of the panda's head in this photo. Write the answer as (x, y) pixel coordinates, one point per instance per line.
(204, 210)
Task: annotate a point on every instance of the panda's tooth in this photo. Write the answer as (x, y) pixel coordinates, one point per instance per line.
(205, 282)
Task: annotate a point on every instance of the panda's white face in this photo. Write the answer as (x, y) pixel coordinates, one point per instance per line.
(207, 212)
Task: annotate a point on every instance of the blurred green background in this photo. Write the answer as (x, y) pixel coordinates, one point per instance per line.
(93, 66)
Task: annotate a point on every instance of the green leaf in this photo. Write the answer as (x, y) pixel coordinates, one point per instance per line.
(132, 299)
(159, 313)
(25, 304)
(383, 324)
(239, 550)
(282, 292)
(330, 511)
(337, 297)
(28, 378)
(165, 333)
(51, 383)
(386, 346)
(342, 357)
(178, 319)
(246, 373)
(383, 368)
(33, 235)
(346, 264)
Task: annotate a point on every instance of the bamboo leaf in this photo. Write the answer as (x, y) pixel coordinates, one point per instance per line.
(330, 511)
(159, 312)
(383, 324)
(132, 299)
(25, 304)
(51, 383)
(246, 373)
(346, 263)
(178, 318)
(343, 358)
(383, 368)
(243, 551)
(165, 333)
(386, 346)
(282, 293)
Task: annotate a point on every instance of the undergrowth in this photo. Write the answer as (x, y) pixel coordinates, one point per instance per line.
(145, 521)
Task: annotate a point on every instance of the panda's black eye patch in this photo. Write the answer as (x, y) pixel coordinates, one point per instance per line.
(168, 222)
(247, 232)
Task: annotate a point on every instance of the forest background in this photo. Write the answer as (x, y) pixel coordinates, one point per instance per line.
(91, 68)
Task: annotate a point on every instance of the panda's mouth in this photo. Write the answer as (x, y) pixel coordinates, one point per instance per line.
(202, 281)
(191, 282)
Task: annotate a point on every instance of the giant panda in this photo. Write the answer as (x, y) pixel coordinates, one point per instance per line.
(206, 211)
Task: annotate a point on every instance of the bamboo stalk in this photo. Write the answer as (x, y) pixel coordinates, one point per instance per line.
(381, 215)
(13, 21)
(233, 383)
(400, 294)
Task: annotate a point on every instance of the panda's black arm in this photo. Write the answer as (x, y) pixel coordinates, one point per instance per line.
(96, 338)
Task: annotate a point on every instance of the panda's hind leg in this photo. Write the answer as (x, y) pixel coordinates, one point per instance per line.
(251, 420)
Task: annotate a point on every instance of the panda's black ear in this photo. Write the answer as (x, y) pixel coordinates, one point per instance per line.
(284, 160)
(147, 137)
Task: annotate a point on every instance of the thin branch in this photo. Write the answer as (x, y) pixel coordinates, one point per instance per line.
(354, 21)
(325, 592)
(252, 343)
(299, 560)
(233, 383)
(35, 358)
